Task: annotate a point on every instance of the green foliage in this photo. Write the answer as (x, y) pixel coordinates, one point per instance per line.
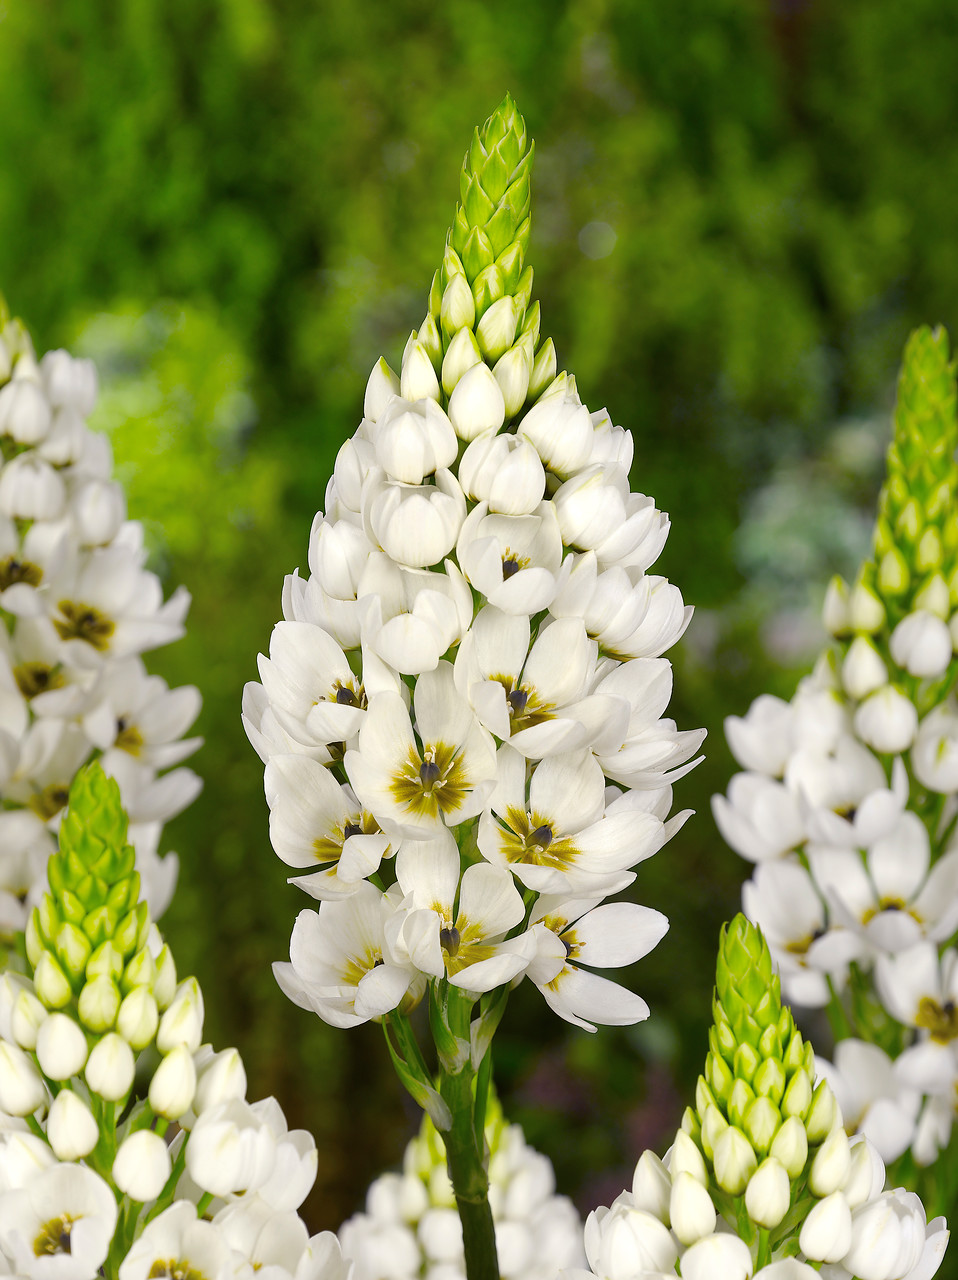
(740, 211)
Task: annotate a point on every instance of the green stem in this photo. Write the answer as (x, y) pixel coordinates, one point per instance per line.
(837, 1017)
(469, 1179)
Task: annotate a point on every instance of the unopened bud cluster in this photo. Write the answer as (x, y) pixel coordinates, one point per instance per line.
(411, 1228)
(762, 1180)
(847, 800)
(193, 1178)
(78, 609)
(474, 660)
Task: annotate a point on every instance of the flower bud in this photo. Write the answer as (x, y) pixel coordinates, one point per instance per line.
(822, 1114)
(24, 412)
(73, 950)
(24, 1156)
(863, 670)
(182, 1023)
(503, 471)
(865, 610)
(512, 373)
(30, 489)
(768, 1193)
(894, 577)
(110, 1068)
(173, 1086)
(61, 1047)
(721, 1255)
(381, 387)
(739, 1101)
(835, 609)
(770, 1080)
(418, 379)
(138, 1018)
(543, 369)
(496, 331)
(887, 721)
(830, 1165)
(50, 982)
(713, 1124)
(934, 597)
(106, 961)
(798, 1095)
(140, 971)
(686, 1158)
(866, 1174)
(164, 985)
(222, 1079)
(71, 1128)
(414, 440)
(22, 1089)
(790, 1146)
(652, 1186)
(691, 1211)
(826, 1233)
(921, 643)
(762, 1121)
(458, 309)
(99, 1004)
(98, 509)
(461, 354)
(734, 1161)
(142, 1165)
(26, 1019)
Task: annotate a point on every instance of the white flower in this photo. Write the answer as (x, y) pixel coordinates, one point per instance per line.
(414, 440)
(512, 560)
(59, 1226)
(597, 512)
(921, 643)
(337, 964)
(416, 525)
(623, 1242)
(504, 471)
(887, 720)
(410, 618)
(560, 428)
(176, 1243)
(760, 818)
(871, 1098)
(934, 756)
(863, 670)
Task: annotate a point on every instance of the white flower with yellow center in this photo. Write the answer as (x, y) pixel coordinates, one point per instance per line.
(59, 1225)
(178, 1246)
(512, 560)
(413, 782)
(456, 928)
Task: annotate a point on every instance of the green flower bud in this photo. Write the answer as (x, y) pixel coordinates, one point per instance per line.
(543, 369)
(762, 1121)
(734, 1161)
(690, 1124)
(458, 308)
(496, 331)
(713, 1125)
(704, 1098)
(140, 972)
(26, 1019)
(106, 961)
(865, 610)
(50, 983)
(739, 1101)
(798, 1095)
(73, 951)
(99, 1003)
(934, 596)
(719, 1076)
(769, 1080)
(823, 1114)
(512, 373)
(165, 986)
(747, 1061)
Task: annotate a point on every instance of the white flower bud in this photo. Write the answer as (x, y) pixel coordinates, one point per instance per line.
(173, 1086)
(921, 644)
(560, 429)
(24, 1156)
(767, 1194)
(418, 379)
(887, 1237)
(863, 670)
(222, 1079)
(30, 489)
(142, 1165)
(461, 354)
(182, 1023)
(887, 721)
(99, 1003)
(477, 405)
(866, 1174)
(734, 1160)
(543, 369)
(417, 526)
(50, 982)
(138, 1018)
(790, 1146)
(110, 1068)
(414, 440)
(496, 331)
(71, 1128)
(24, 412)
(381, 387)
(691, 1210)
(505, 472)
(98, 508)
(823, 1115)
(827, 1231)
(865, 610)
(830, 1164)
(11, 984)
(628, 1243)
(719, 1255)
(61, 1047)
(22, 1089)
(512, 372)
(652, 1186)
(935, 597)
(27, 1017)
(69, 381)
(458, 307)
(164, 984)
(835, 608)
(686, 1158)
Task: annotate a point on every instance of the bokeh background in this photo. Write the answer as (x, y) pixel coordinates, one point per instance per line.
(740, 209)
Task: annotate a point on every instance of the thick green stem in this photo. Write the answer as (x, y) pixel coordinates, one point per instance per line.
(469, 1179)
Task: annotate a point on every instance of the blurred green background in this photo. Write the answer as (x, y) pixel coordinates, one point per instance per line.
(740, 208)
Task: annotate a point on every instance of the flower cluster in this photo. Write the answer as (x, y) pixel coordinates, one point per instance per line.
(411, 1228)
(762, 1180)
(461, 715)
(850, 792)
(78, 610)
(188, 1180)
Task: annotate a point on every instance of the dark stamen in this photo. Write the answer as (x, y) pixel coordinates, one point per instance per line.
(542, 836)
(429, 774)
(352, 829)
(449, 940)
(345, 697)
(509, 567)
(517, 700)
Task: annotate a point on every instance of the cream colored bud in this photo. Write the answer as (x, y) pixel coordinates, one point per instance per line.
(496, 331)
(512, 373)
(823, 1114)
(106, 961)
(686, 1158)
(110, 1068)
(138, 1018)
(768, 1193)
(99, 1004)
(173, 1086)
(61, 1047)
(50, 983)
(826, 1234)
(477, 404)
(418, 380)
(71, 1128)
(458, 308)
(865, 610)
(164, 986)
(652, 1186)
(835, 610)
(381, 387)
(863, 670)
(26, 1019)
(921, 644)
(142, 1165)
(543, 369)
(734, 1161)
(934, 597)
(866, 1174)
(461, 354)
(222, 1079)
(790, 1146)
(713, 1125)
(182, 1023)
(22, 1089)
(830, 1165)
(798, 1095)
(887, 721)
(691, 1210)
